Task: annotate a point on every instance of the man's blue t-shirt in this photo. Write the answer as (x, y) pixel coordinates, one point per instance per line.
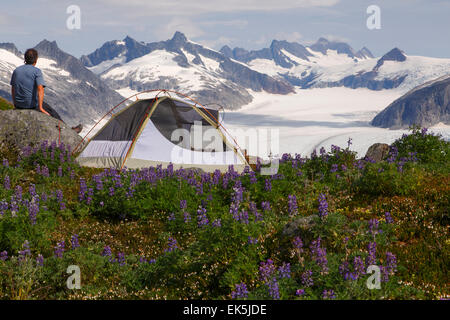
(25, 80)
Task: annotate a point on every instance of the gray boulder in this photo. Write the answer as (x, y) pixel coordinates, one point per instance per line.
(301, 227)
(28, 127)
(378, 152)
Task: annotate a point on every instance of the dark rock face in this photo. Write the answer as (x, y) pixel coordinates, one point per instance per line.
(378, 152)
(426, 106)
(11, 47)
(28, 127)
(394, 55)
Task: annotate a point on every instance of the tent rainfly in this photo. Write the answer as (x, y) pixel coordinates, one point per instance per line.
(160, 131)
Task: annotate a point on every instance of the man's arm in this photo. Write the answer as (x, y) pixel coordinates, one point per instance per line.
(13, 95)
(40, 92)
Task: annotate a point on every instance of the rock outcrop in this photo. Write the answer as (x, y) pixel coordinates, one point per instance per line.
(28, 127)
(425, 106)
(378, 152)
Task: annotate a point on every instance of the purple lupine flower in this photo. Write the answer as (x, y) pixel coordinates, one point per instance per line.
(300, 292)
(107, 251)
(274, 290)
(32, 190)
(371, 258)
(171, 217)
(292, 203)
(298, 244)
(344, 270)
(349, 142)
(40, 260)
(319, 254)
(334, 168)
(26, 250)
(391, 263)
(33, 210)
(243, 216)
(4, 255)
(234, 210)
(75, 242)
(60, 171)
(323, 206)
(343, 167)
(121, 258)
(45, 172)
(90, 193)
(202, 219)
(252, 240)
(183, 204)
(60, 248)
(187, 217)
(7, 183)
(358, 267)
(384, 274)
(111, 191)
(253, 178)
(388, 218)
(328, 294)
(285, 270)
(307, 279)
(240, 291)
(172, 245)
(267, 185)
(424, 132)
(5, 163)
(18, 193)
(266, 206)
(217, 223)
(83, 189)
(266, 270)
(373, 226)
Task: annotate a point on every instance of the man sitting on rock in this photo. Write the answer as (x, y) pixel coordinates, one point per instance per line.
(27, 88)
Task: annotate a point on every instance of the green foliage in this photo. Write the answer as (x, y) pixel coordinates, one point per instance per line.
(428, 147)
(5, 104)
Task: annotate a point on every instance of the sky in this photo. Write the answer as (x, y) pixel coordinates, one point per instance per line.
(418, 27)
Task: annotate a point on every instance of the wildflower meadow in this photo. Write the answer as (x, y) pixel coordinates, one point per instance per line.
(308, 232)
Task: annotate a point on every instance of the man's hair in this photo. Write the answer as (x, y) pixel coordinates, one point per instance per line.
(31, 56)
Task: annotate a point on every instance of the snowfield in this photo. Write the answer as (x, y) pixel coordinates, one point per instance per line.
(315, 118)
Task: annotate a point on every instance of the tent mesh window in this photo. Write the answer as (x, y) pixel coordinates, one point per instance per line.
(124, 126)
(171, 115)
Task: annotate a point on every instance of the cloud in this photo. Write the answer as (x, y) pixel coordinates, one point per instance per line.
(218, 43)
(289, 36)
(180, 7)
(187, 26)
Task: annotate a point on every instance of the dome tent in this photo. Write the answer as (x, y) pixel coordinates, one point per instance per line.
(160, 131)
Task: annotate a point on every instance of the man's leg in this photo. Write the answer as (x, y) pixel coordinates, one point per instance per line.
(51, 111)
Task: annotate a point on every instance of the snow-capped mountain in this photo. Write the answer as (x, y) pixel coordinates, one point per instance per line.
(180, 64)
(76, 93)
(337, 64)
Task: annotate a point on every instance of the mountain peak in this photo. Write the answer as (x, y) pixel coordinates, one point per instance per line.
(179, 37)
(394, 55)
(47, 45)
(11, 47)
